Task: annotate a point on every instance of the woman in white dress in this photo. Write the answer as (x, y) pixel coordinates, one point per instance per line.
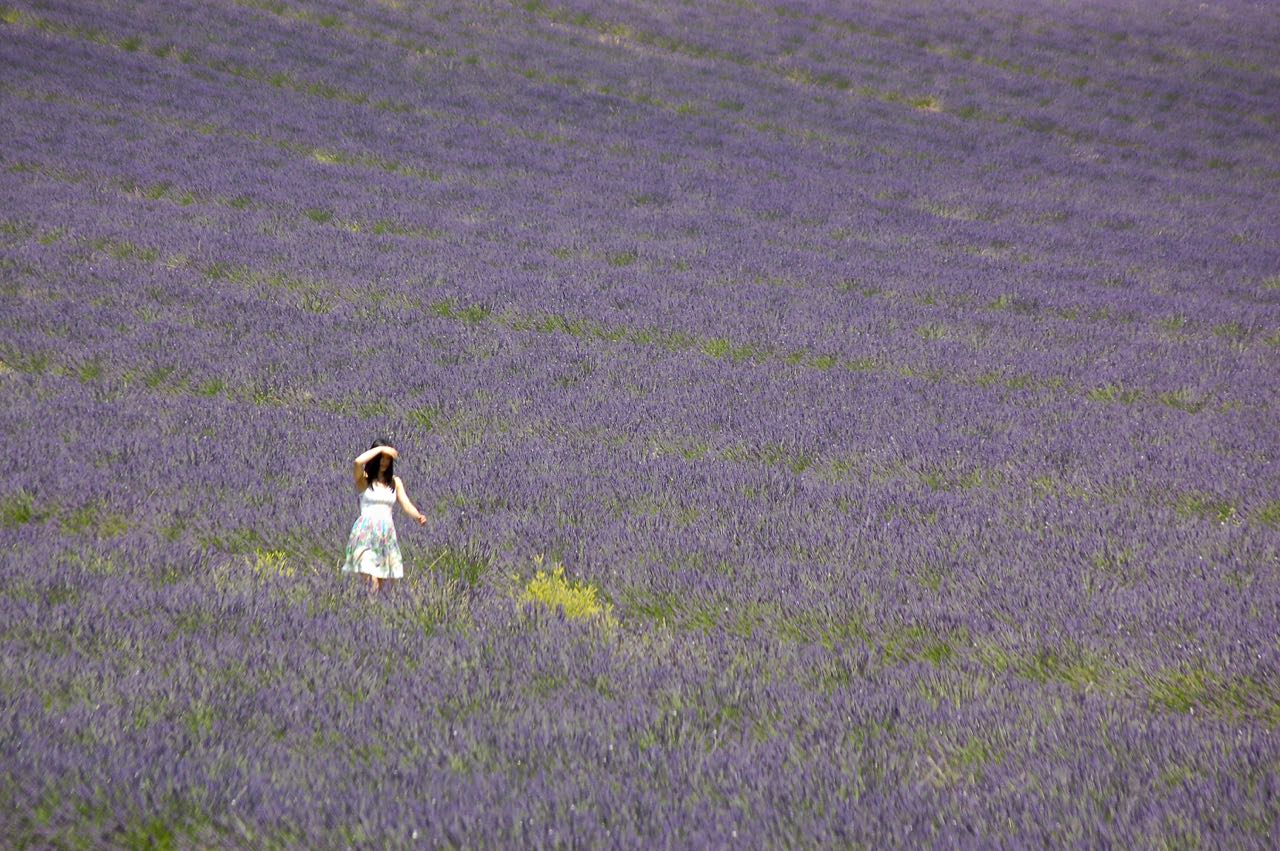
(372, 547)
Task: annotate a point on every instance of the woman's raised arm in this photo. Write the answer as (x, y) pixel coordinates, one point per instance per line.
(357, 466)
(368, 455)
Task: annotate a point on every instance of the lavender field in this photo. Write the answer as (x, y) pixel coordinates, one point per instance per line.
(900, 377)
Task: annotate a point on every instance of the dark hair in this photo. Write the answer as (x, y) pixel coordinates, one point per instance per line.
(371, 466)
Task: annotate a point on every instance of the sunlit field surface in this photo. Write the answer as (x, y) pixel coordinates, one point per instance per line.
(887, 394)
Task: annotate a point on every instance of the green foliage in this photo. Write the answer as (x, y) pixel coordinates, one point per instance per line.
(1070, 664)
(1232, 331)
(938, 653)
(1114, 393)
(660, 607)
(464, 565)
(1183, 400)
(823, 362)
(473, 314)
(90, 370)
(210, 387)
(716, 348)
(949, 479)
(425, 417)
(152, 834)
(1269, 514)
(91, 519)
(271, 563)
(1181, 690)
(1205, 506)
(576, 599)
(20, 507)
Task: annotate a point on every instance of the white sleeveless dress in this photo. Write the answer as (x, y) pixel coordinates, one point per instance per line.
(372, 547)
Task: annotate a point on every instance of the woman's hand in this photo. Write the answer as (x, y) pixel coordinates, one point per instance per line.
(388, 450)
(421, 518)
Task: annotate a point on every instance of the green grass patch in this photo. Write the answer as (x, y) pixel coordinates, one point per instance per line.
(823, 362)
(1269, 514)
(425, 417)
(826, 628)
(1180, 690)
(1114, 393)
(473, 314)
(1069, 663)
(210, 387)
(661, 607)
(1233, 331)
(716, 348)
(1204, 507)
(443, 308)
(1183, 400)
(943, 479)
(464, 565)
(91, 519)
(90, 370)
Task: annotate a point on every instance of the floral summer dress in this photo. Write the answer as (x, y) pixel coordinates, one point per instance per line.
(372, 547)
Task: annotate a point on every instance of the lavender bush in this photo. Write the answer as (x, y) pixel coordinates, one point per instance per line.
(900, 380)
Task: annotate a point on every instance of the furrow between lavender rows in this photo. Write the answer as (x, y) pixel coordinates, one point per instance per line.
(1071, 63)
(1089, 28)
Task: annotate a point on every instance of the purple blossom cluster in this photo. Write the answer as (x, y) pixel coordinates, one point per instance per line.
(903, 376)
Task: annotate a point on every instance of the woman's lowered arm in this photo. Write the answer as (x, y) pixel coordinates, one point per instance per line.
(402, 496)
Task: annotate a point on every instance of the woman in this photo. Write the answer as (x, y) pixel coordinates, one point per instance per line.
(372, 548)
